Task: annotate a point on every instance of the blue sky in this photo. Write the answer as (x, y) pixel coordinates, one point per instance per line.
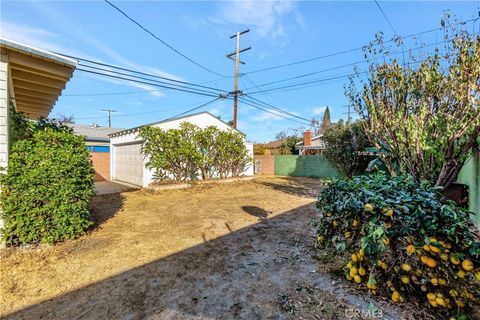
(281, 32)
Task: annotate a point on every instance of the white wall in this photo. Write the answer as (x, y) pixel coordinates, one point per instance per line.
(3, 113)
(3, 108)
(202, 120)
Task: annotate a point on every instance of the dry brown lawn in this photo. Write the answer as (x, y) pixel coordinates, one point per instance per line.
(238, 250)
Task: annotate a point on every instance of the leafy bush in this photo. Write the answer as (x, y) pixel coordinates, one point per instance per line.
(424, 110)
(190, 152)
(47, 188)
(344, 144)
(403, 239)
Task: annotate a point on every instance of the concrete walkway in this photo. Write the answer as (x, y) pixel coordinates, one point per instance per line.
(109, 187)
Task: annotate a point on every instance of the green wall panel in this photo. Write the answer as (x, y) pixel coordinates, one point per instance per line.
(304, 166)
(470, 175)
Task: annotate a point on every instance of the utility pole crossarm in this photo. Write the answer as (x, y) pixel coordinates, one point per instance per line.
(109, 111)
(230, 56)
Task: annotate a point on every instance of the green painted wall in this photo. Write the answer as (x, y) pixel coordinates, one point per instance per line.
(304, 166)
(470, 175)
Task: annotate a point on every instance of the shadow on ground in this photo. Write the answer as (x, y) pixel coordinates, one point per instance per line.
(240, 275)
(104, 207)
(256, 212)
(303, 187)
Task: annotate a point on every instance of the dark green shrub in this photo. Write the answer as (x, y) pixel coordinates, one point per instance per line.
(48, 186)
(403, 240)
(345, 143)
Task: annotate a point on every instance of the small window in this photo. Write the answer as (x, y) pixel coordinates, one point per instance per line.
(90, 148)
(105, 149)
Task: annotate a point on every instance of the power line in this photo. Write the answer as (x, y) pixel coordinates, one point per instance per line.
(193, 109)
(276, 108)
(160, 40)
(105, 93)
(386, 18)
(351, 50)
(148, 79)
(148, 83)
(339, 67)
(138, 72)
(141, 113)
(302, 84)
(393, 29)
(248, 103)
(307, 82)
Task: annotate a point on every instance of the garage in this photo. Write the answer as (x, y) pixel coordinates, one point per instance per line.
(128, 163)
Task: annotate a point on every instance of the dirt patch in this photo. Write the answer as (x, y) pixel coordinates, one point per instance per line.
(233, 251)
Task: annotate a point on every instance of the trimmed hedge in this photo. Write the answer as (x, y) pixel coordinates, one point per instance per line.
(46, 192)
(403, 240)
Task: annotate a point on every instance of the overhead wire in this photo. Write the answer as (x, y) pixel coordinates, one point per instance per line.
(251, 104)
(160, 40)
(193, 109)
(351, 50)
(147, 82)
(141, 113)
(139, 72)
(156, 81)
(340, 66)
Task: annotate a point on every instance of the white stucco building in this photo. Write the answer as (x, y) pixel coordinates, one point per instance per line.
(127, 164)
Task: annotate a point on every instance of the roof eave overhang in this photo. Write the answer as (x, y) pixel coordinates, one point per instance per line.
(36, 77)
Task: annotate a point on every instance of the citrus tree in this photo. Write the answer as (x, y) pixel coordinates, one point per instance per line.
(425, 111)
(401, 239)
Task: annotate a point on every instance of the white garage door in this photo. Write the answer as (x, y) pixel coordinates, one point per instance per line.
(129, 163)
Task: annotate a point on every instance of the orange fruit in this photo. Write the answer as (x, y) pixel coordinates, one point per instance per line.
(467, 265)
(406, 267)
(357, 279)
(434, 249)
(455, 260)
(368, 207)
(361, 271)
(354, 257)
(395, 296)
(440, 301)
(410, 249)
(431, 263)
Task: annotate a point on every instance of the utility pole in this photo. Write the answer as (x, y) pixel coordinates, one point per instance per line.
(349, 117)
(237, 60)
(109, 116)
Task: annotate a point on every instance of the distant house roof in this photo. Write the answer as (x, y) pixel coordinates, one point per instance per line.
(135, 129)
(93, 133)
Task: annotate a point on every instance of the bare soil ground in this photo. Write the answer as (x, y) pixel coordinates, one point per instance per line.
(230, 251)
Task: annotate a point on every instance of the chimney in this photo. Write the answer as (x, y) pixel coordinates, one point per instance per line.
(307, 138)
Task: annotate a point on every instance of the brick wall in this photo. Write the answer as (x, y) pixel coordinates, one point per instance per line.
(267, 164)
(101, 164)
